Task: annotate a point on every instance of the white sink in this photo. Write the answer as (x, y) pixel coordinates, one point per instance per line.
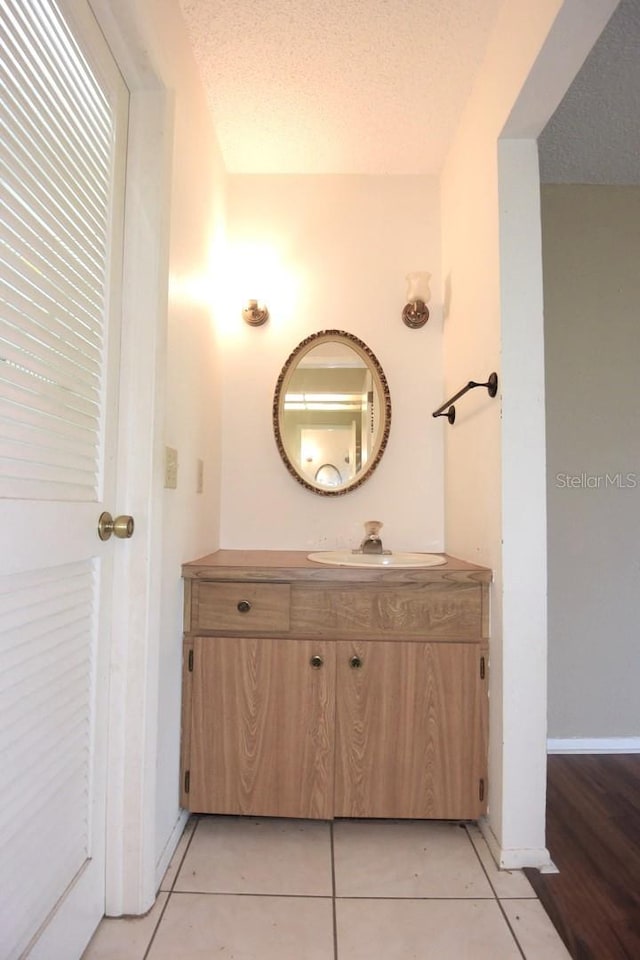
(346, 558)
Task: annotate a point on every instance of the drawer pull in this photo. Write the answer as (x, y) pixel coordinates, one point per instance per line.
(316, 662)
(244, 606)
(355, 663)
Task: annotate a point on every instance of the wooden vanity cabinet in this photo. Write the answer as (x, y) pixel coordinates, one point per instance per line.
(320, 693)
(409, 730)
(262, 727)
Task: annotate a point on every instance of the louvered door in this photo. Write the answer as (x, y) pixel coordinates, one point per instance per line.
(63, 111)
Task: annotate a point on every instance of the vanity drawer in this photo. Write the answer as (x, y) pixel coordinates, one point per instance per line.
(240, 607)
(418, 611)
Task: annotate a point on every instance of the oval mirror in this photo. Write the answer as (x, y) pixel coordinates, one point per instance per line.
(331, 413)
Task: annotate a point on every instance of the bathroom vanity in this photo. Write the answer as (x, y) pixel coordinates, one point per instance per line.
(318, 691)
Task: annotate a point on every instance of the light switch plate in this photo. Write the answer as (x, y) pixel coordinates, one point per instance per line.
(170, 468)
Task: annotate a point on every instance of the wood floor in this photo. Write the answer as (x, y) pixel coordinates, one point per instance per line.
(593, 836)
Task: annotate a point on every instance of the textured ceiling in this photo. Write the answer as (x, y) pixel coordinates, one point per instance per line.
(337, 86)
(594, 135)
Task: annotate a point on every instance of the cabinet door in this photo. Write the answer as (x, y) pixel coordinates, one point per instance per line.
(410, 730)
(262, 727)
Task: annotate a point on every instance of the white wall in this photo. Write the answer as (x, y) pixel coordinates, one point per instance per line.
(331, 252)
(591, 252)
(494, 456)
(193, 391)
(177, 194)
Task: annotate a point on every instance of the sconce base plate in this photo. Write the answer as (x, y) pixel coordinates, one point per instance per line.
(254, 315)
(415, 315)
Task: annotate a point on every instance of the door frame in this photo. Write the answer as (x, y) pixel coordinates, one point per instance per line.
(133, 724)
(133, 697)
(515, 824)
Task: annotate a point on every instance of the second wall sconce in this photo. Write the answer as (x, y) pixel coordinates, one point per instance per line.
(416, 313)
(254, 315)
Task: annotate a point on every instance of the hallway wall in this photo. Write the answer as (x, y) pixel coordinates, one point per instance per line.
(591, 252)
(495, 459)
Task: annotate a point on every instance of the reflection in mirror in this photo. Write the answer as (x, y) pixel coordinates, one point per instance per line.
(331, 412)
(328, 476)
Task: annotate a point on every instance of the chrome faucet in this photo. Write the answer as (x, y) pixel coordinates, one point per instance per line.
(372, 542)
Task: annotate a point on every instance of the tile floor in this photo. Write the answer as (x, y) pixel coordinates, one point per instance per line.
(261, 889)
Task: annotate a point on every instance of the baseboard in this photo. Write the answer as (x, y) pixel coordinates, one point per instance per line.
(594, 745)
(170, 846)
(515, 858)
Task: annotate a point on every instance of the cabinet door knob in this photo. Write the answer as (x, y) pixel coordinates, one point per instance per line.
(316, 662)
(244, 606)
(355, 663)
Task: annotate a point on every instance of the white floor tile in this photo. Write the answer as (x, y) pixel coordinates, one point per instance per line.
(260, 889)
(258, 856)
(125, 938)
(505, 883)
(406, 859)
(535, 933)
(199, 926)
(174, 865)
(423, 930)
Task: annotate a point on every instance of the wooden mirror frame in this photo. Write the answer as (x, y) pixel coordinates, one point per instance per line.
(380, 387)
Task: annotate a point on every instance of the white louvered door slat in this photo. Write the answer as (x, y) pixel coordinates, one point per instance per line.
(46, 210)
(57, 82)
(40, 326)
(63, 116)
(58, 339)
(46, 361)
(27, 296)
(16, 394)
(66, 443)
(44, 238)
(45, 389)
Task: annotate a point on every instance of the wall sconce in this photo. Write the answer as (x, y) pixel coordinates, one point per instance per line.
(254, 315)
(416, 313)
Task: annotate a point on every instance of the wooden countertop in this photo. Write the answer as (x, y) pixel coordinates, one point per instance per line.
(288, 565)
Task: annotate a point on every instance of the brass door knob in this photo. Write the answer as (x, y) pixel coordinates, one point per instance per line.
(316, 662)
(122, 527)
(355, 663)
